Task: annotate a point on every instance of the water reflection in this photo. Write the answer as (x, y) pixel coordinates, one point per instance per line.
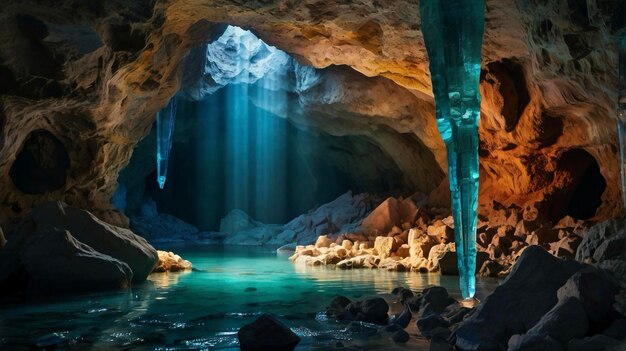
(205, 308)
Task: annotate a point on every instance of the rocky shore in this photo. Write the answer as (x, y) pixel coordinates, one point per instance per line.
(404, 234)
(545, 303)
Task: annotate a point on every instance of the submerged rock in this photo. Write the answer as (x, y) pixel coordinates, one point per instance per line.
(267, 333)
(372, 310)
(337, 307)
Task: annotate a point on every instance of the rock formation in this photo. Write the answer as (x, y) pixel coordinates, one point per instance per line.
(60, 249)
(81, 85)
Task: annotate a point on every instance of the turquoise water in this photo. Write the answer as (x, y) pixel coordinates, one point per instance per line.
(204, 309)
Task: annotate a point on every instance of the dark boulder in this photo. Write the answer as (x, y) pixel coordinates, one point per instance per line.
(54, 262)
(400, 337)
(595, 291)
(594, 343)
(403, 319)
(533, 342)
(402, 293)
(373, 310)
(337, 307)
(427, 324)
(529, 292)
(566, 321)
(267, 333)
(119, 243)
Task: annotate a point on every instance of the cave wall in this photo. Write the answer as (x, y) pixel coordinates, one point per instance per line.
(93, 74)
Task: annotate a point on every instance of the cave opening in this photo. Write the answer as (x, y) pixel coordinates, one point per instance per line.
(252, 133)
(587, 193)
(42, 164)
(581, 196)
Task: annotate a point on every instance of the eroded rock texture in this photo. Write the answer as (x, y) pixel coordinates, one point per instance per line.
(92, 75)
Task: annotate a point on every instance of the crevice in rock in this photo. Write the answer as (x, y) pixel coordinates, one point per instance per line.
(583, 186)
(577, 46)
(550, 130)
(587, 195)
(512, 87)
(41, 164)
(578, 12)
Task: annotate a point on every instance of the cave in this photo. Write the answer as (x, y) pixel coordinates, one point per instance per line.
(587, 194)
(312, 175)
(42, 164)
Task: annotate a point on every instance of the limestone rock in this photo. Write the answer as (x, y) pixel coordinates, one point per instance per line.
(170, 262)
(323, 241)
(383, 246)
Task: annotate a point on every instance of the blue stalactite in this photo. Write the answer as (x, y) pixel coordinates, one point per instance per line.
(165, 133)
(453, 33)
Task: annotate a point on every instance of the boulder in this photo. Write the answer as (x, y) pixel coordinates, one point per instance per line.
(521, 300)
(429, 323)
(383, 246)
(402, 293)
(372, 310)
(403, 251)
(448, 262)
(595, 291)
(384, 217)
(566, 321)
(403, 319)
(53, 262)
(611, 248)
(171, 262)
(594, 343)
(323, 241)
(267, 333)
(400, 337)
(616, 269)
(119, 243)
(343, 214)
(337, 307)
(596, 236)
(435, 300)
(532, 342)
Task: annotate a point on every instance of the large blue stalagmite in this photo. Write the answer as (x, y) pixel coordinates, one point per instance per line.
(453, 32)
(165, 133)
(621, 111)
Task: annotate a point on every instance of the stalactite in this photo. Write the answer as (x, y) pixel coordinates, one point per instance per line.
(165, 133)
(453, 32)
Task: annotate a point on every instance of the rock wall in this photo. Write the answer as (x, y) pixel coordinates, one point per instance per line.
(83, 81)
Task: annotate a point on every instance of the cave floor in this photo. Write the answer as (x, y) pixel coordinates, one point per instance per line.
(204, 308)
